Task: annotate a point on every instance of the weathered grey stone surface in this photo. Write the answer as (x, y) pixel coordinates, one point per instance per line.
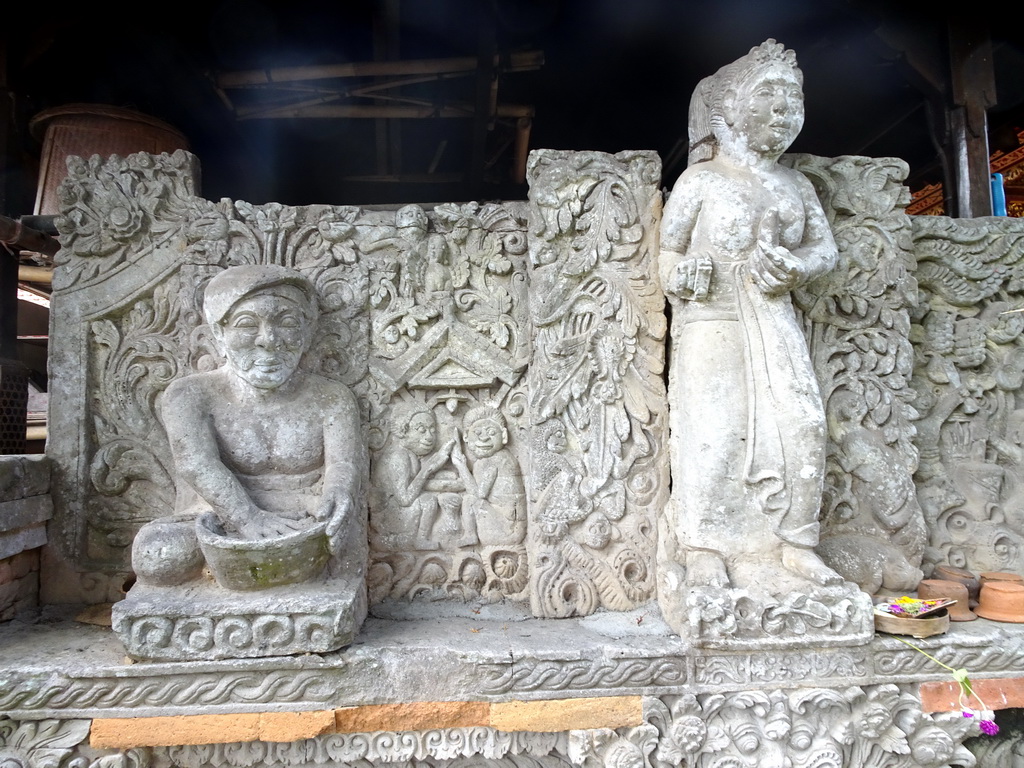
(269, 462)
(25, 505)
(598, 418)
(968, 374)
(740, 233)
(858, 706)
(857, 320)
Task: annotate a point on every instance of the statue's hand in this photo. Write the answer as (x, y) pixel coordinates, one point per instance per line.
(335, 507)
(264, 525)
(774, 269)
(458, 457)
(691, 278)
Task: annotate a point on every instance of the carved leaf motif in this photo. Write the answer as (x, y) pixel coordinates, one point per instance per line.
(607, 228)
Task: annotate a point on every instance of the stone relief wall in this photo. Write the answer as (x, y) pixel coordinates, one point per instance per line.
(861, 726)
(429, 318)
(968, 374)
(871, 726)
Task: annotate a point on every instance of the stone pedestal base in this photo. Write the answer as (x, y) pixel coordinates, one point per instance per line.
(203, 621)
(745, 619)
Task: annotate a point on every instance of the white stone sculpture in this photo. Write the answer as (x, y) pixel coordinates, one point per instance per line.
(268, 460)
(740, 232)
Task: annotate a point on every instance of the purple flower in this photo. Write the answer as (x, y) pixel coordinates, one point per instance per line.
(968, 714)
(988, 727)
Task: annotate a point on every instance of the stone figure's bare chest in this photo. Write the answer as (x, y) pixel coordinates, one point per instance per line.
(743, 207)
(269, 442)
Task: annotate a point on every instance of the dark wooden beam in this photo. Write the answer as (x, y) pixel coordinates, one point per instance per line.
(972, 93)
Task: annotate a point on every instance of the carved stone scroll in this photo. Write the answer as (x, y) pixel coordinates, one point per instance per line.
(598, 470)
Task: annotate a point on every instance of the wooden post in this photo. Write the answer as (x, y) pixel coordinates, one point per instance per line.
(972, 92)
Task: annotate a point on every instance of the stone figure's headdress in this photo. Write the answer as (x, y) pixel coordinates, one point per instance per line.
(706, 102)
(232, 285)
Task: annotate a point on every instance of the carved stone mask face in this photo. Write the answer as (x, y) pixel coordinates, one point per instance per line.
(767, 109)
(264, 337)
(421, 435)
(486, 437)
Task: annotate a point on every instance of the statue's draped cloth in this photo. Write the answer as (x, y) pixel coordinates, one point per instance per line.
(749, 444)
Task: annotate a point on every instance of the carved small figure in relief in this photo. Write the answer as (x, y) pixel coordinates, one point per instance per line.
(494, 510)
(748, 428)
(405, 489)
(262, 449)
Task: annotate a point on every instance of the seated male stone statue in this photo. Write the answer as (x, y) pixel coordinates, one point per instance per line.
(262, 449)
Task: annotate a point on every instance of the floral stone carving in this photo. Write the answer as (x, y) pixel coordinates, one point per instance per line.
(597, 401)
(858, 325)
(748, 449)
(857, 727)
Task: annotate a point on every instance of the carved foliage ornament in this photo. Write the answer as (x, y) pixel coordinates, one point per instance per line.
(857, 320)
(969, 371)
(596, 394)
(864, 727)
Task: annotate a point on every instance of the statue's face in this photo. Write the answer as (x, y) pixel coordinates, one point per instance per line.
(421, 435)
(485, 437)
(768, 110)
(264, 337)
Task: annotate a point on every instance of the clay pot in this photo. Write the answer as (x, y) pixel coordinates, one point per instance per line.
(988, 576)
(941, 589)
(1002, 601)
(965, 577)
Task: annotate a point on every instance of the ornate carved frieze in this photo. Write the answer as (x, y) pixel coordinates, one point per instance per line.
(857, 321)
(374, 748)
(968, 373)
(598, 470)
(857, 727)
(450, 340)
(59, 744)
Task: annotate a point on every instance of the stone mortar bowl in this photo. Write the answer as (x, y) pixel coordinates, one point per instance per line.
(251, 564)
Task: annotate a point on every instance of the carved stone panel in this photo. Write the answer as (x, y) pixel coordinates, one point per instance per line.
(450, 340)
(857, 321)
(968, 334)
(866, 727)
(597, 411)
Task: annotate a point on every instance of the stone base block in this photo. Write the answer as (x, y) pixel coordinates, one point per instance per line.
(204, 621)
(743, 619)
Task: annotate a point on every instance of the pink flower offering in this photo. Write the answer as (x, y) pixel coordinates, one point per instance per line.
(988, 727)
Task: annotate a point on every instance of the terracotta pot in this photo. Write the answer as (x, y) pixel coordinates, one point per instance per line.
(988, 576)
(942, 589)
(965, 577)
(1002, 601)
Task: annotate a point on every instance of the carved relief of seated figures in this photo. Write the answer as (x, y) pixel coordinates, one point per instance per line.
(266, 455)
(494, 510)
(407, 487)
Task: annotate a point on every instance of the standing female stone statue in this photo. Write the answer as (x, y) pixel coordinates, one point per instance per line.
(748, 428)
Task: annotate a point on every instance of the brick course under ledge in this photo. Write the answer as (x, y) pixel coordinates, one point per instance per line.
(1004, 693)
(539, 716)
